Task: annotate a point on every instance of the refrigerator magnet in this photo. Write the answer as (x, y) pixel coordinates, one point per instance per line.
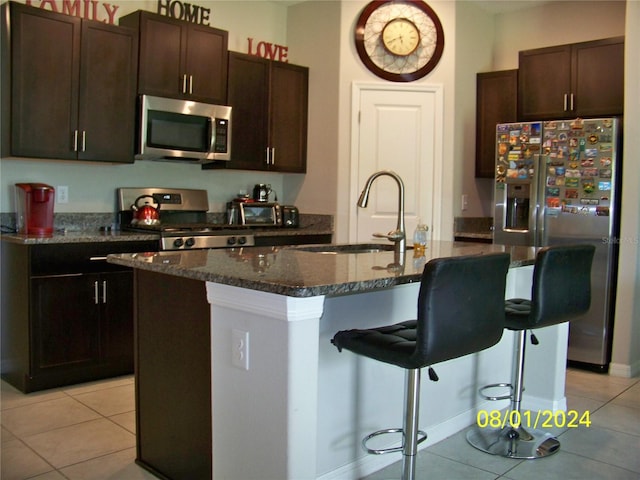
(571, 181)
(571, 193)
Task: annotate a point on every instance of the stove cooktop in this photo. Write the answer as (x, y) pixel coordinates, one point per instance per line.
(196, 236)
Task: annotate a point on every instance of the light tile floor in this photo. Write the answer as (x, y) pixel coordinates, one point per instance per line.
(87, 432)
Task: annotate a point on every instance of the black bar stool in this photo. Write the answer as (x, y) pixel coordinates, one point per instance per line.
(460, 311)
(561, 290)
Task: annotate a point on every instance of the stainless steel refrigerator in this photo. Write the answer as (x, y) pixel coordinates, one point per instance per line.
(558, 182)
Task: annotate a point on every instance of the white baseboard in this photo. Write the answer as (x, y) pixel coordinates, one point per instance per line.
(624, 370)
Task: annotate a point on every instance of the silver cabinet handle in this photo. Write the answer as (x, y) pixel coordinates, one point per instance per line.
(565, 102)
(184, 83)
(96, 294)
(75, 140)
(267, 155)
(572, 102)
(96, 259)
(104, 291)
(273, 155)
(84, 141)
(190, 84)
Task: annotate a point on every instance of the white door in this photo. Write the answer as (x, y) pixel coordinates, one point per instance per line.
(396, 128)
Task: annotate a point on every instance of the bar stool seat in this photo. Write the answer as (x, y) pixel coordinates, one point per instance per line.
(460, 311)
(561, 290)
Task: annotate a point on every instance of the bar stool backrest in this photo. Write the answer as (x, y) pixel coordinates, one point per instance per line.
(460, 306)
(561, 284)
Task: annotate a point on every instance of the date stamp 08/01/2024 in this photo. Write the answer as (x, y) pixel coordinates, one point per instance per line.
(533, 419)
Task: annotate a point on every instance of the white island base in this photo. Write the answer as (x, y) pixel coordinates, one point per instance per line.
(301, 408)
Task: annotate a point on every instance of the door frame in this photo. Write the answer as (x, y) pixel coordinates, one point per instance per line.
(438, 150)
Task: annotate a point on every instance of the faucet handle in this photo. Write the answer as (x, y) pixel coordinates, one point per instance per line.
(394, 236)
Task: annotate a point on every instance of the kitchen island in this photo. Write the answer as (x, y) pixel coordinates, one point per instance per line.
(236, 375)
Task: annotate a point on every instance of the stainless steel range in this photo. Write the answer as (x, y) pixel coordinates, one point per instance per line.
(182, 215)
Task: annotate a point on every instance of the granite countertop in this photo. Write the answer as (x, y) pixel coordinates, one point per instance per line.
(310, 225)
(295, 272)
(81, 236)
(472, 235)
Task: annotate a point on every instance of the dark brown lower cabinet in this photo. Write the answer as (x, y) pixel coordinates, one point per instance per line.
(67, 314)
(173, 376)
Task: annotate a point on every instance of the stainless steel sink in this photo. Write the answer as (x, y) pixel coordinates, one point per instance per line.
(347, 248)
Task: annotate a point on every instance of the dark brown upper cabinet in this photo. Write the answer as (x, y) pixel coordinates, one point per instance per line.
(583, 79)
(179, 59)
(68, 87)
(496, 102)
(270, 104)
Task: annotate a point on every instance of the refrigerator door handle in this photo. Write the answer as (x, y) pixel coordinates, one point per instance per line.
(538, 199)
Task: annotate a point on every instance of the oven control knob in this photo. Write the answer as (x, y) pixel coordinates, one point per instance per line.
(190, 242)
(242, 240)
(178, 242)
(231, 241)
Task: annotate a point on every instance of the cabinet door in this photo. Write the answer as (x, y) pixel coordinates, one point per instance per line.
(107, 93)
(496, 102)
(249, 97)
(162, 44)
(288, 117)
(45, 73)
(116, 320)
(598, 77)
(544, 83)
(64, 322)
(206, 64)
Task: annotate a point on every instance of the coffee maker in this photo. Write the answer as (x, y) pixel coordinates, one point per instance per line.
(34, 208)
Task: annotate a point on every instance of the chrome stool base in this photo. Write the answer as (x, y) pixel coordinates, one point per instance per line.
(512, 442)
(422, 436)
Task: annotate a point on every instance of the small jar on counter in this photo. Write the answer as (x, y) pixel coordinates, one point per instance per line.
(420, 236)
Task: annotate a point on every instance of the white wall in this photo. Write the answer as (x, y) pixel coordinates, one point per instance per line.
(474, 53)
(626, 339)
(314, 28)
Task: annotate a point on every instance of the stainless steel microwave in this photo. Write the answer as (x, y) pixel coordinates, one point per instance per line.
(183, 131)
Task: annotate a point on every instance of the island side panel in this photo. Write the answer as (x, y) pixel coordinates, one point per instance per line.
(173, 376)
(264, 417)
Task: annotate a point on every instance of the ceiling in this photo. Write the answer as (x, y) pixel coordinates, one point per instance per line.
(491, 6)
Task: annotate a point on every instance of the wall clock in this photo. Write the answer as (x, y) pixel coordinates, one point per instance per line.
(399, 40)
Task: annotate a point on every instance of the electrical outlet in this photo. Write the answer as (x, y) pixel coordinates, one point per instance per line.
(465, 201)
(62, 194)
(240, 349)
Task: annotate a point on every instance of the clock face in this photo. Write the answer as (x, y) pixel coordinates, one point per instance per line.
(399, 40)
(400, 37)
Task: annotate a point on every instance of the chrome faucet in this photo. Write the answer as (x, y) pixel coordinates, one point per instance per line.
(398, 236)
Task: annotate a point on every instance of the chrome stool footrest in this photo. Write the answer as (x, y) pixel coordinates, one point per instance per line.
(482, 393)
(422, 436)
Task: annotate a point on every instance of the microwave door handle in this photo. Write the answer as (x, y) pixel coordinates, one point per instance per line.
(212, 136)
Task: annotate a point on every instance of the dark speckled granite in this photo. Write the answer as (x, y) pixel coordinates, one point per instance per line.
(86, 227)
(294, 272)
